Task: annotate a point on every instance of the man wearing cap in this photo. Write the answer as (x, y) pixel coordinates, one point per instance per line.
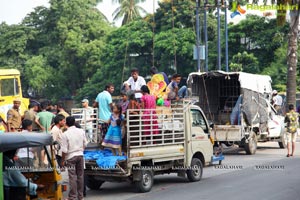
(87, 117)
(277, 100)
(14, 118)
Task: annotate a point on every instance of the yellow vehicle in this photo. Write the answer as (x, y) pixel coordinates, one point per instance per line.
(49, 176)
(10, 88)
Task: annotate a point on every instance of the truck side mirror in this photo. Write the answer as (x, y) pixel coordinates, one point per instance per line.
(211, 125)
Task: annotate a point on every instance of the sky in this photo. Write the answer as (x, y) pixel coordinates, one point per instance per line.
(13, 11)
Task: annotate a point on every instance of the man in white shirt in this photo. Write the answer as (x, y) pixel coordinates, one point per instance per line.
(277, 100)
(25, 155)
(56, 131)
(136, 82)
(87, 119)
(73, 144)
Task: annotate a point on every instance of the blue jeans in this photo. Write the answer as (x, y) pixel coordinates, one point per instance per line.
(183, 92)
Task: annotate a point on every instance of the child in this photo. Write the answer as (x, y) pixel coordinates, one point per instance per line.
(134, 120)
(174, 92)
(113, 137)
(149, 115)
(124, 102)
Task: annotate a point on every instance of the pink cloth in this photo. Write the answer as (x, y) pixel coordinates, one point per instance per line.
(149, 116)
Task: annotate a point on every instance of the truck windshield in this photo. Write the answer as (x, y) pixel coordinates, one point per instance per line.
(9, 87)
(198, 120)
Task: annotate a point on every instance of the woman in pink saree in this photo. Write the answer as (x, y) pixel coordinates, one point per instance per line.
(149, 114)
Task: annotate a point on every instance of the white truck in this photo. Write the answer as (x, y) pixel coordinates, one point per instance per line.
(182, 146)
(238, 104)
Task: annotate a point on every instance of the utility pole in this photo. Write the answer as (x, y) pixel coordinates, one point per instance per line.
(226, 38)
(198, 35)
(219, 35)
(205, 35)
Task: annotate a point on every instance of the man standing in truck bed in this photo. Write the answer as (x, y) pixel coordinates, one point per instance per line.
(14, 118)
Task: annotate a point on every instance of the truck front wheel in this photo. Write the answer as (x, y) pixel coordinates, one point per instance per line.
(251, 145)
(92, 183)
(283, 141)
(146, 181)
(195, 173)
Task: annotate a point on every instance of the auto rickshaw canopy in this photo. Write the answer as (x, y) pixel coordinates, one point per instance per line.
(11, 141)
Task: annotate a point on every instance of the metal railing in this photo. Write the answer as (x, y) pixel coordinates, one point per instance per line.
(88, 120)
(155, 127)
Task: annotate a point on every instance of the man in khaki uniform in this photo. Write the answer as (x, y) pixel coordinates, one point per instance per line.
(14, 118)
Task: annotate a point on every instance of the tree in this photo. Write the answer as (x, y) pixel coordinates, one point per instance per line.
(244, 62)
(128, 10)
(70, 35)
(292, 48)
(126, 47)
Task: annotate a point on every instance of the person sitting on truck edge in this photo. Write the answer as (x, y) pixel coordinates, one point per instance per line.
(174, 92)
(113, 137)
(13, 177)
(292, 120)
(136, 82)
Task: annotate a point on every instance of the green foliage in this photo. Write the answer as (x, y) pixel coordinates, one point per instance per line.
(128, 10)
(244, 62)
(69, 49)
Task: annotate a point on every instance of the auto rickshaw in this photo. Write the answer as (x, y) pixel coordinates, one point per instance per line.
(49, 175)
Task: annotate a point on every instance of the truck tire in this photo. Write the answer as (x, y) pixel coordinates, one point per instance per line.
(195, 173)
(283, 141)
(251, 145)
(92, 183)
(146, 181)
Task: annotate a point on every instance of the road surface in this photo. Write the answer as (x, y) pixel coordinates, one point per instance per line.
(268, 174)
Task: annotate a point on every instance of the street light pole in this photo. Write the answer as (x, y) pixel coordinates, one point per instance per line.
(219, 35)
(226, 38)
(198, 35)
(205, 36)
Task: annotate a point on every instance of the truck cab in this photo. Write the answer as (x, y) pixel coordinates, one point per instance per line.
(10, 88)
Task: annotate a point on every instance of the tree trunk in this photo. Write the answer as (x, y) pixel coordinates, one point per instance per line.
(292, 57)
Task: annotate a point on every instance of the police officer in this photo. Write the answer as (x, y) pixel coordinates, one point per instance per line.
(14, 118)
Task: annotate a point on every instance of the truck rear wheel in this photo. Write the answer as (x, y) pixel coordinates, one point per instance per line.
(146, 181)
(195, 173)
(92, 183)
(251, 145)
(283, 141)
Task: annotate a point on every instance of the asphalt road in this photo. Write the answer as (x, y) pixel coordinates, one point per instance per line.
(267, 175)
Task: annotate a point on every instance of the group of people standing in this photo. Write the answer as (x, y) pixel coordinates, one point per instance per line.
(63, 128)
(135, 94)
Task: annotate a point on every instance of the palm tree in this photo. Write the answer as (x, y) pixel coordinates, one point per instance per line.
(128, 10)
(292, 60)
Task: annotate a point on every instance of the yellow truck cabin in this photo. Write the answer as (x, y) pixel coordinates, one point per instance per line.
(10, 88)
